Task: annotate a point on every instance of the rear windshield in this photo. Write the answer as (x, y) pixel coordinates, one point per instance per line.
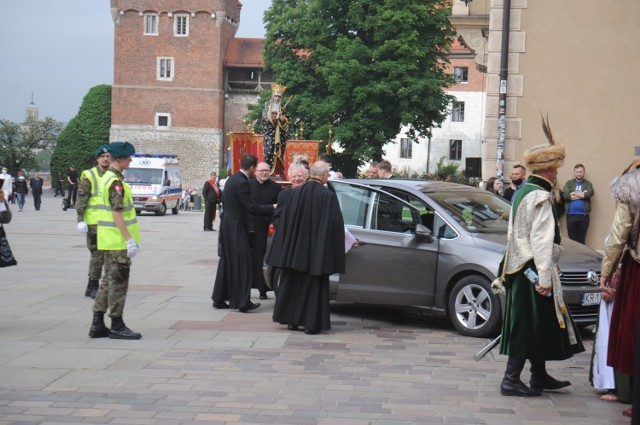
(477, 211)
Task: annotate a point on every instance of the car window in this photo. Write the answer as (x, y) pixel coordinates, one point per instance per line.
(370, 209)
(428, 217)
(393, 215)
(355, 203)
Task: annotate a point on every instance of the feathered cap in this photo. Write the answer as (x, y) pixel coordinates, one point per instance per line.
(542, 157)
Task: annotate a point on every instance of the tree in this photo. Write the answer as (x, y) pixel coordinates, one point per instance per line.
(85, 132)
(363, 68)
(20, 143)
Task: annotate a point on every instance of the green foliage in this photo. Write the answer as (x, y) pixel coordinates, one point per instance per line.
(445, 171)
(363, 67)
(85, 132)
(19, 143)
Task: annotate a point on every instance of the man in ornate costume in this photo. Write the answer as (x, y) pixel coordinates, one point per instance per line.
(537, 324)
(275, 126)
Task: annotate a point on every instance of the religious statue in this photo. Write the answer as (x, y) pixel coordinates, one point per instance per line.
(275, 125)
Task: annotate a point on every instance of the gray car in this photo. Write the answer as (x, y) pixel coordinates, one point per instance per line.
(435, 247)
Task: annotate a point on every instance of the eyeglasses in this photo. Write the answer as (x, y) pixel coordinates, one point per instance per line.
(262, 171)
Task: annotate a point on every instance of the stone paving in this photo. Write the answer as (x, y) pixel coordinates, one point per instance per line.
(197, 365)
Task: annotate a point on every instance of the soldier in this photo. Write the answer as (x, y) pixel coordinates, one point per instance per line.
(87, 206)
(119, 237)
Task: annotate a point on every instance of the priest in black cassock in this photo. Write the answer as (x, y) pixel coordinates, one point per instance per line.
(308, 247)
(265, 192)
(233, 278)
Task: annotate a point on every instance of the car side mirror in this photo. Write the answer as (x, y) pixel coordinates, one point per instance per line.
(423, 234)
(167, 182)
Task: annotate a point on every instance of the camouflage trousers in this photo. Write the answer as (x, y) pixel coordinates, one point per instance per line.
(97, 257)
(115, 283)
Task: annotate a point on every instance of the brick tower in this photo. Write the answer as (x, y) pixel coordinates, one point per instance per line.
(168, 85)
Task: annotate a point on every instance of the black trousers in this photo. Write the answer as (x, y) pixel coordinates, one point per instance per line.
(209, 214)
(73, 193)
(577, 226)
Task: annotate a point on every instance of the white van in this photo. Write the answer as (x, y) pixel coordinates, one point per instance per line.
(156, 183)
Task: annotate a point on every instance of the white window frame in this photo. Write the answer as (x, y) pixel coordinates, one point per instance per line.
(457, 112)
(406, 148)
(459, 75)
(457, 145)
(163, 115)
(176, 24)
(154, 24)
(164, 72)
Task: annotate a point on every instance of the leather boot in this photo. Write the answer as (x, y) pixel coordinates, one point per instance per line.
(541, 380)
(120, 331)
(92, 289)
(511, 384)
(98, 328)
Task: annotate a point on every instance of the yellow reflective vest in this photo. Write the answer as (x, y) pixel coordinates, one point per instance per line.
(95, 201)
(109, 236)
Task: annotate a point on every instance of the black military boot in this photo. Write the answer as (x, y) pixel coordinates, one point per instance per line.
(92, 288)
(511, 384)
(541, 380)
(98, 328)
(120, 331)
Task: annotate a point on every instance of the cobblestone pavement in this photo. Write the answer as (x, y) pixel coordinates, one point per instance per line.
(197, 365)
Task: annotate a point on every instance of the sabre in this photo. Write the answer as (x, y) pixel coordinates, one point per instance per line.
(490, 346)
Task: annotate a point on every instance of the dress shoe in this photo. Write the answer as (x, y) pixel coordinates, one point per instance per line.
(206, 229)
(292, 327)
(220, 305)
(249, 307)
(310, 332)
(546, 382)
(518, 389)
(263, 297)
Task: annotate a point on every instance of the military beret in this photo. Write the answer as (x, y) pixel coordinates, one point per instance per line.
(102, 149)
(121, 149)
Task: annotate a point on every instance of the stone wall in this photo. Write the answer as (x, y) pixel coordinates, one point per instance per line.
(198, 149)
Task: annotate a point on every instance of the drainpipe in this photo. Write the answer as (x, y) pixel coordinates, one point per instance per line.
(502, 105)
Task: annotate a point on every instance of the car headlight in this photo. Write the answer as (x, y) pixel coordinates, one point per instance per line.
(153, 198)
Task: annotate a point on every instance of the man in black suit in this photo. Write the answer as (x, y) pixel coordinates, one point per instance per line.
(264, 191)
(234, 275)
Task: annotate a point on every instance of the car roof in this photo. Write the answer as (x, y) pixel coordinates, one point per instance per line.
(424, 186)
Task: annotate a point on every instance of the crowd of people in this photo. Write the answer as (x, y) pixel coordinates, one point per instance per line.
(264, 225)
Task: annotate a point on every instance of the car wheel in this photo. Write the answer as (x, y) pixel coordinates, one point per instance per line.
(175, 209)
(163, 209)
(474, 309)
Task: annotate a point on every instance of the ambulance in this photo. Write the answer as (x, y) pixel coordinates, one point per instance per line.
(156, 183)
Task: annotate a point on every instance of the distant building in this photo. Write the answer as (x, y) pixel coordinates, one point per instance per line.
(31, 111)
(459, 139)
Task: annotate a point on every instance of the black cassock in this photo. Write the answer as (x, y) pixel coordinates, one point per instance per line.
(265, 194)
(308, 246)
(233, 278)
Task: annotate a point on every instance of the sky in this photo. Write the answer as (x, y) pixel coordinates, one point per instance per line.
(59, 49)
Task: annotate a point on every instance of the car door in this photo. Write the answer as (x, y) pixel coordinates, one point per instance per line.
(391, 265)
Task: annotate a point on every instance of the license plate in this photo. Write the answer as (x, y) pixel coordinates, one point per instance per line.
(591, 298)
(138, 206)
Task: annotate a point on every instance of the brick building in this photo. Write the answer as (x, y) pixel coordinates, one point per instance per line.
(169, 87)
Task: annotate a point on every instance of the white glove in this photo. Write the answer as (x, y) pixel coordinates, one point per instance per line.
(82, 227)
(497, 286)
(132, 248)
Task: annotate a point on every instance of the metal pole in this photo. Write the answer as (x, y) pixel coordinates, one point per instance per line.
(428, 149)
(502, 105)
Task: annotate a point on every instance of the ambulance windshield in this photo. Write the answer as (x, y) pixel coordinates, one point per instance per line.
(143, 176)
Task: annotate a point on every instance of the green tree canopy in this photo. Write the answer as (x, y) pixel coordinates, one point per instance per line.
(363, 68)
(20, 143)
(85, 132)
